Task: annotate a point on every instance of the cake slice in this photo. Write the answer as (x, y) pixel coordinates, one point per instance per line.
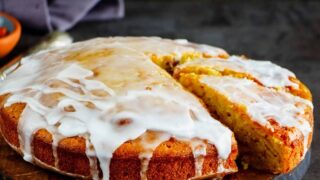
(267, 108)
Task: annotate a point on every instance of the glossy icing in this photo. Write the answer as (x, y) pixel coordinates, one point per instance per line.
(267, 73)
(264, 104)
(108, 91)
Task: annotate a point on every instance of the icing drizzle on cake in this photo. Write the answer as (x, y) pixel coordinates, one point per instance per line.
(267, 73)
(263, 104)
(108, 100)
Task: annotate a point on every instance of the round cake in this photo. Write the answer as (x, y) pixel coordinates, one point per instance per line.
(136, 108)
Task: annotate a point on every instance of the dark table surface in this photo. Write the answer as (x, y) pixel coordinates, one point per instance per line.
(286, 32)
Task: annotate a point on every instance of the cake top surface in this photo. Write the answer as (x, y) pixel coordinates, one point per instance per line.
(160, 46)
(109, 91)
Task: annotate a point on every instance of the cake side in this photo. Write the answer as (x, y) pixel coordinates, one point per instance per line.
(172, 159)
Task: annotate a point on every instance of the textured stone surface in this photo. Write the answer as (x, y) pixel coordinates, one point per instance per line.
(286, 32)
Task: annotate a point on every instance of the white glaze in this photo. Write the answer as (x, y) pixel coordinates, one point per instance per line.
(263, 103)
(55, 140)
(162, 47)
(93, 162)
(150, 142)
(134, 88)
(199, 149)
(29, 122)
(267, 73)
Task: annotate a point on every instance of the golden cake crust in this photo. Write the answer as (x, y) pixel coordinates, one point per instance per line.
(172, 159)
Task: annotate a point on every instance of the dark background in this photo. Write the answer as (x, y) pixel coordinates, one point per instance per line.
(286, 32)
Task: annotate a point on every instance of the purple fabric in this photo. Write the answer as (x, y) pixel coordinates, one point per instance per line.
(61, 15)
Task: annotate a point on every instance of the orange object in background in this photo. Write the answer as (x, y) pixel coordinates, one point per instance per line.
(10, 38)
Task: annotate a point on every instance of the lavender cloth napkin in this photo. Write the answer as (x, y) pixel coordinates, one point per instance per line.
(61, 15)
